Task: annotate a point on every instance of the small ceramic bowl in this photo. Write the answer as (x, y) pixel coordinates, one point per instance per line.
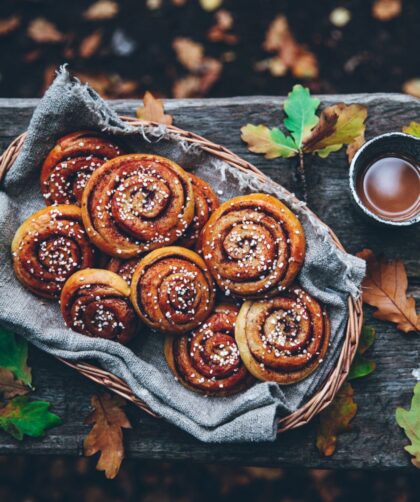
(393, 142)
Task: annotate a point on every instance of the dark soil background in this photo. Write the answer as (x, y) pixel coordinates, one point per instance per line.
(125, 48)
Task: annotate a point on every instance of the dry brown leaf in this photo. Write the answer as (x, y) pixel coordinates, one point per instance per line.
(10, 386)
(335, 419)
(90, 44)
(101, 10)
(412, 87)
(385, 287)
(189, 53)
(110, 86)
(219, 32)
(354, 146)
(153, 110)
(290, 54)
(384, 10)
(43, 31)
(205, 71)
(8, 25)
(108, 419)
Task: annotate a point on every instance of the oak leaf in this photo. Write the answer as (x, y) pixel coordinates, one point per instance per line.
(21, 416)
(9, 386)
(362, 365)
(153, 110)
(108, 419)
(335, 419)
(271, 142)
(101, 10)
(354, 146)
(385, 287)
(338, 125)
(412, 87)
(413, 128)
(14, 356)
(9, 24)
(289, 53)
(43, 31)
(384, 10)
(409, 420)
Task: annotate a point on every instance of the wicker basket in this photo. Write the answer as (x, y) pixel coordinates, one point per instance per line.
(330, 386)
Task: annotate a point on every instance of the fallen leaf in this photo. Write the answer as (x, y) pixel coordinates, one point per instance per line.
(43, 31)
(189, 53)
(335, 419)
(219, 32)
(20, 417)
(385, 10)
(8, 25)
(14, 356)
(412, 87)
(153, 110)
(413, 128)
(90, 44)
(205, 70)
(354, 146)
(362, 365)
(110, 86)
(271, 142)
(289, 53)
(338, 125)
(409, 420)
(385, 287)
(101, 10)
(153, 4)
(108, 419)
(9, 386)
(300, 109)
(210, 5)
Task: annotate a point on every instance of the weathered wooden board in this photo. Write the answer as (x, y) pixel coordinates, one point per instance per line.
(375, 441)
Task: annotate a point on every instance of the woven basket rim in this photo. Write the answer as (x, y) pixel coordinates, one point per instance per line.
(332, 383)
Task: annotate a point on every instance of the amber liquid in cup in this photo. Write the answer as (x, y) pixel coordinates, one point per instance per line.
(389, 187)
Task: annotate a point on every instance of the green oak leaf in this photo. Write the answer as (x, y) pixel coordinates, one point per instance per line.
(272, 143)
(14, 356)
(413, 128)
(20, 417)
(362, 365)
(300, 109)
(409, 420)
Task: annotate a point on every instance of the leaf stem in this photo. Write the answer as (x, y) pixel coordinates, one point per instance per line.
(302, 177)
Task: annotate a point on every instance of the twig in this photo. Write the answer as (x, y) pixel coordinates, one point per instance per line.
(302, 177)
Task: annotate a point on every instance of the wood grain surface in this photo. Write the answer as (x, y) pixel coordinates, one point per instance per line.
(375, 441)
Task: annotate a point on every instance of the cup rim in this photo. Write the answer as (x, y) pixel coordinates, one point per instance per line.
(356, 198)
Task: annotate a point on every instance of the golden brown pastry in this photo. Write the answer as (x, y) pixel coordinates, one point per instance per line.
(207, 360)
(254, 246)
(124, 268)
(71, 162)
(136, 203)
(172, 290)
(283, 339)
(49, 247)
(96, 303)
(205, 202)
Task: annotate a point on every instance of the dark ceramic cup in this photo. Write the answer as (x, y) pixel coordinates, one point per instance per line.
(393, 142)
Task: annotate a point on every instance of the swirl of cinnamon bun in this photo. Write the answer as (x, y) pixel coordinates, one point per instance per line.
(70, 164)
(207, 360)
(96, 303)
(172, 290)
(49, 247)
(136, 203)
(254, 246)
(283, 339)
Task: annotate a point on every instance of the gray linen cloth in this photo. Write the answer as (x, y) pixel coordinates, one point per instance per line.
(328, 274)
